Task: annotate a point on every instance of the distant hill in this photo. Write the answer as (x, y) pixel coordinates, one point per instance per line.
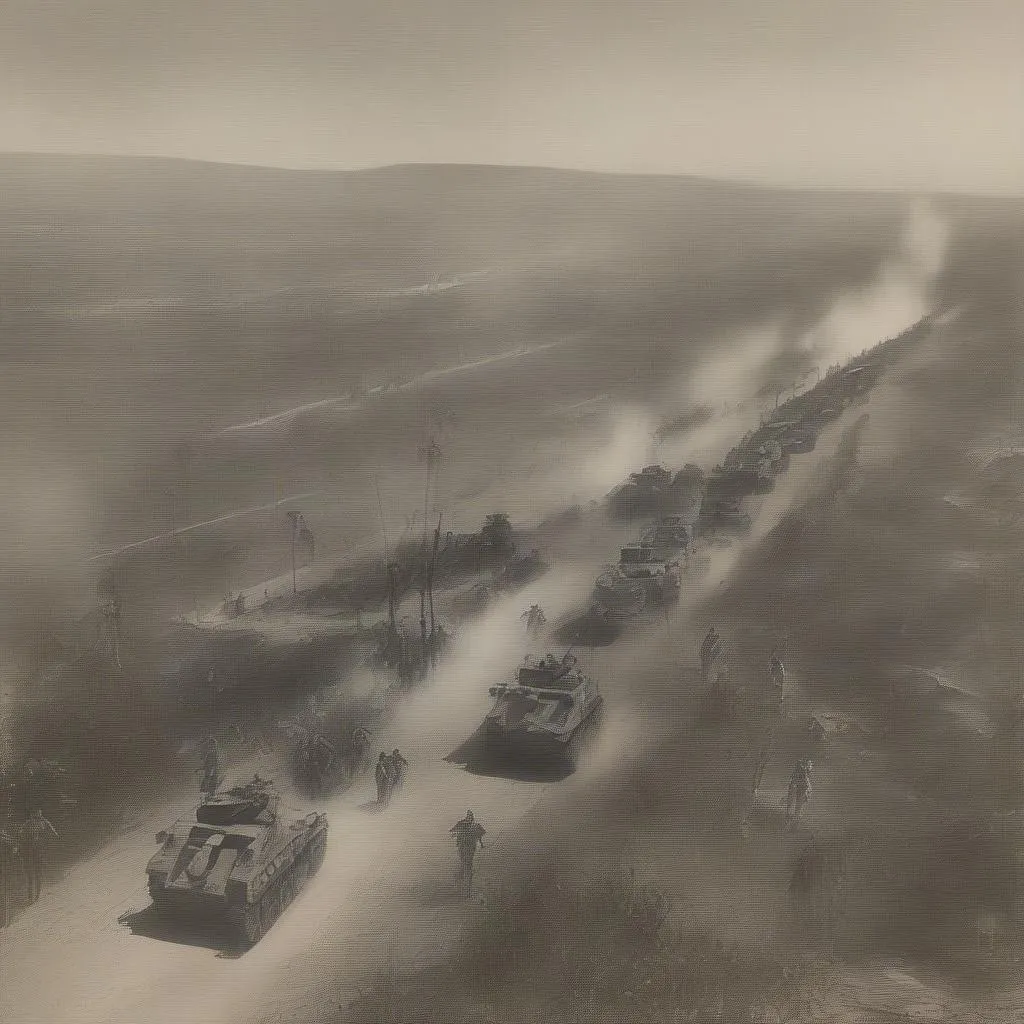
(146, 302)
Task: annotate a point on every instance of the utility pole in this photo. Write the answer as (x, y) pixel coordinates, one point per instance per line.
(430, 594)
(295, 518)
(392, 569)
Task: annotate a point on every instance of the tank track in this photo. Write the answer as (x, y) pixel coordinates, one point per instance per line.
(251, 922)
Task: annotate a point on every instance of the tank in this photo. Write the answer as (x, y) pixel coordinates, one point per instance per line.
(237, 861)
(642, 493)
(686, 495)
(545, 714)
(618, 596)
(739, 480)
(725, 513)
(670, 536)
(657, 573)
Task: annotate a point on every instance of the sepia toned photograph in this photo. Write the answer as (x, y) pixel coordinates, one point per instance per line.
(512, 512)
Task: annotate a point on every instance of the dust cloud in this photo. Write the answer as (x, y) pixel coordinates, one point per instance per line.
(902, 293)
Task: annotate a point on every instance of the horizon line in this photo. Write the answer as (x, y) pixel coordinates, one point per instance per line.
(735, 182)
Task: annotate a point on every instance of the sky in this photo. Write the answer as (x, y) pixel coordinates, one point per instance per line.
(875, 93)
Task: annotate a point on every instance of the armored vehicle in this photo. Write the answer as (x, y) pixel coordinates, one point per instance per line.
(753, 465)
(237, 861)
(643, 492)
(618, 596)
(725, 513)
(669, 537)
(686, 494)
(656, 572)
(739, 480)
(545, 714)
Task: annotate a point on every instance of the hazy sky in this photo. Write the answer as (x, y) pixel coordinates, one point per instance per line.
(878, 92)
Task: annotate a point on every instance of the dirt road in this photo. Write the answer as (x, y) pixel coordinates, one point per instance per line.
(377, 869)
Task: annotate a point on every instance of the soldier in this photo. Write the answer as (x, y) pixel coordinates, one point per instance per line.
(710, 651)
(360, 747)
(816, 886)
(468, 834)
(399, 767)
(535, 619)
(777, 674)
(384, 780)
(799, 791)
(211, 766)
(764, 754)
(8, 871)
(320, 757)
(33, 836)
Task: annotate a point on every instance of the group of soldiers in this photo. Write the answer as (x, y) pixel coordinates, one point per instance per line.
(390, 775)
(799, 789)
(817, 874)
(25, 831)
(318, 758)
(22, 852)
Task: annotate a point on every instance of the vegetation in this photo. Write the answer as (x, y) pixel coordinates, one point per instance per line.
(599, 949)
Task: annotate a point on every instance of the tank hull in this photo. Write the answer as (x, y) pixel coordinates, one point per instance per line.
(624, 600)
(527, 747)
(207, 872)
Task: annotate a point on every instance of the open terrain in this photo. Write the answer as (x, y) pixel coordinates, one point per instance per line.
(211, 340)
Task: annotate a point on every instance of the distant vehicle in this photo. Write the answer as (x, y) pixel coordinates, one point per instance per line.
(725, 512)
(656, 572)
(686, 494)
(670, 536)
(738, 481)
(617, 596)
(642, 493)
(759, 453)
(544, 715)
(237, 862)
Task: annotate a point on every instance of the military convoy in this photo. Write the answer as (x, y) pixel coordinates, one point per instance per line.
(655, 490)
(240, 862)
(545, 715)
(691, 505)
(237, 861)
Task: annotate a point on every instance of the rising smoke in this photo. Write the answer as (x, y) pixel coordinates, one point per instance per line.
(900, 295)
